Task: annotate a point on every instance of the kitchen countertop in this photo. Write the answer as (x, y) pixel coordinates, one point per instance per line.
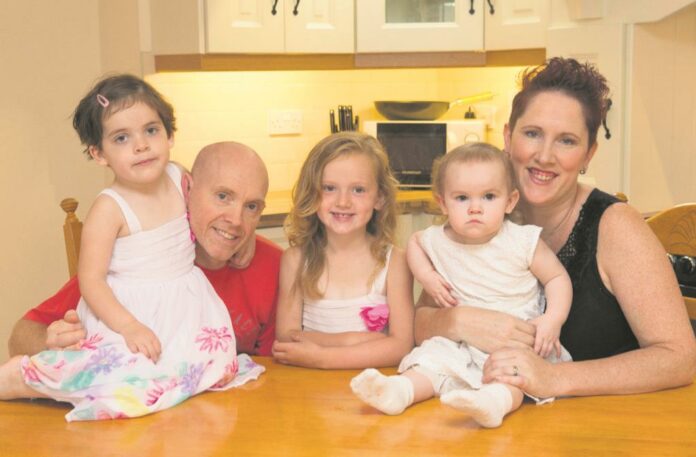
(279, 202)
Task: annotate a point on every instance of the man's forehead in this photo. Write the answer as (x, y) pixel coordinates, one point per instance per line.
(234, 179)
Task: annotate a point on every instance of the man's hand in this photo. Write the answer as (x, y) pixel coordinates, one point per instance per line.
(65, 333)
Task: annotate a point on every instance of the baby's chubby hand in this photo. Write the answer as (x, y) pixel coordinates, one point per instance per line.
(547, 336)
(139, 338)
(439, 289)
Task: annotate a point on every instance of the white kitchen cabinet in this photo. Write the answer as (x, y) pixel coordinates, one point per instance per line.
(279, 26)
(518, 24)
(251, 26)
(419, 25)
(602, 44)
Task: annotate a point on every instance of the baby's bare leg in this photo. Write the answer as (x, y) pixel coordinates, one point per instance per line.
(12, 384)
(487, 405)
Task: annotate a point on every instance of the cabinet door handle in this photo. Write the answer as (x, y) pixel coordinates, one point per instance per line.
(607, 133)
(295, 10)
(274, 9)
(471, 7)
(490, 5)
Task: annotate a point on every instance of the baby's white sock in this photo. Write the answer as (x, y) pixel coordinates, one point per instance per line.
(487, 406)
(389, 394)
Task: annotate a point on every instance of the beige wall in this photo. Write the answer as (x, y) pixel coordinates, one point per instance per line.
(215, 106)
(50, 55)
(662, 157)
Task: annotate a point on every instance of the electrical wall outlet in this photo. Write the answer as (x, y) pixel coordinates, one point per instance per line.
(285, 122)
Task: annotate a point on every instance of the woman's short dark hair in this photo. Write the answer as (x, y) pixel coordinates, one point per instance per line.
(580, 81)
(111, 95)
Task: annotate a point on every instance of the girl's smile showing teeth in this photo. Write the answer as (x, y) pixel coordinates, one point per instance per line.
(341, 216)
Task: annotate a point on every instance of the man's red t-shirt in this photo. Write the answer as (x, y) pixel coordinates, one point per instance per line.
(250, 295)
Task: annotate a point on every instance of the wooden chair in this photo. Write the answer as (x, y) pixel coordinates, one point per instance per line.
(72, 231)
(676, 230)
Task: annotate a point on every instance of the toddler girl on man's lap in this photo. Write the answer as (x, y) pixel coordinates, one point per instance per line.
(157, 333)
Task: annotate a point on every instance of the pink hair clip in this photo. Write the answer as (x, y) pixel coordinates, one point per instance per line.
(103, 101)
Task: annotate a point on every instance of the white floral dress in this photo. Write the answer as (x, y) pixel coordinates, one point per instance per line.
(153, 276)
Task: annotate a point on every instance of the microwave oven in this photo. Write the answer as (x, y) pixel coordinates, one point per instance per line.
(413, 146)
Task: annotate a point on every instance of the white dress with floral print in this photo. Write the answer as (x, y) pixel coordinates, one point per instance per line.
(153, 276)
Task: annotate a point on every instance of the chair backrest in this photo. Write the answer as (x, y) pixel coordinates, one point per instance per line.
(72, 231)
(676, 230)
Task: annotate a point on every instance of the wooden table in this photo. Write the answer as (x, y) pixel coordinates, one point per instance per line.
(296, 411)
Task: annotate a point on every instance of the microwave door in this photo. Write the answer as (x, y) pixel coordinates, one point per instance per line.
(411, 149)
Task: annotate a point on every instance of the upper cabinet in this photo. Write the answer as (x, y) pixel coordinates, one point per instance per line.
(450, 25)
(279, 26)
(209, 35)
(419, 25)
(252, 26)
(519, 24)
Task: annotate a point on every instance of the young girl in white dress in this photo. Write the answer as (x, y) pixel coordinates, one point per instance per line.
(477, 258)
(157, 333)
(345, 298)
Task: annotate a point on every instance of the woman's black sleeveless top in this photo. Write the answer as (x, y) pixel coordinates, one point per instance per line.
(596, 327)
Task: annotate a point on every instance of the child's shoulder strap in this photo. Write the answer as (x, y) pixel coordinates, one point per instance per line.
(174, 173)
(128, 214)
(380, 281)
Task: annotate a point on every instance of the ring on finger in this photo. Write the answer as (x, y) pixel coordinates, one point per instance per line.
(515, 370)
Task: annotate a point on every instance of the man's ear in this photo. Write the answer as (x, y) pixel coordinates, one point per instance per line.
(97, 155)
(186, 185)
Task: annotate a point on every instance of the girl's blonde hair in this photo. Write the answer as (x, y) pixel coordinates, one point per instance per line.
(302, 225)
(474, 152)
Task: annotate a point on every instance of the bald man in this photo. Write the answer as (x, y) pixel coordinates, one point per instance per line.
(225, 193)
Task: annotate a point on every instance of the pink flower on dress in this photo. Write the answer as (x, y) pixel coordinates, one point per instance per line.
(91, 342)
(106, 415)
(156, 392)
(30, 374)
(214, 339)
(231, 370)
(375, 317)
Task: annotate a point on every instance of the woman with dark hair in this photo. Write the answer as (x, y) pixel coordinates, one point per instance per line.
(627, 330)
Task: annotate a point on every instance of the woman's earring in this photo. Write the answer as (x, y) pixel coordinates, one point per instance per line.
(583, 171)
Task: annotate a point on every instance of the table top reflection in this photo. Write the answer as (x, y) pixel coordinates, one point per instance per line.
(297, 411)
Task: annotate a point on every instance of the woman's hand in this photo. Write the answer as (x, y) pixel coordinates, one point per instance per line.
(299, 352)
(524, 369)
(487, 330)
